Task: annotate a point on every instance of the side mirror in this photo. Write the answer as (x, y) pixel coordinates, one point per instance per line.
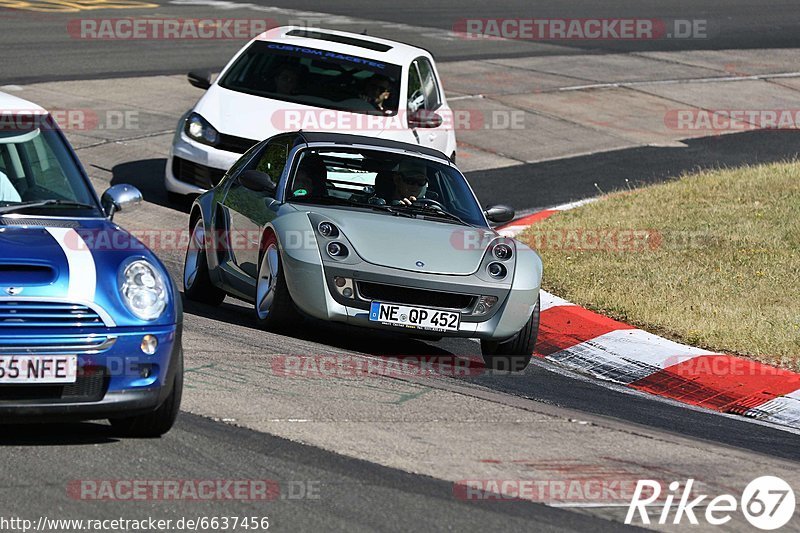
(499, 214)
(200, 79)
(257, 181)
(424, 119)
(120, 197)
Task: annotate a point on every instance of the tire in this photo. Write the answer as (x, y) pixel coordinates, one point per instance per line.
(513, 355)
(197, 285)
(274, 307)
(154, 424)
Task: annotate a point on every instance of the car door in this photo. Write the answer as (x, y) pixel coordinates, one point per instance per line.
(426, 107)
(247, 211)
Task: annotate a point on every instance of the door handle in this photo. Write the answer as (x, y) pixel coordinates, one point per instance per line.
(431, 136)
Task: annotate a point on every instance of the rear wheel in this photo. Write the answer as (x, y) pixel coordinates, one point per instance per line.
(274, 306)
(515, 354)
(197, 285)
(155, 424)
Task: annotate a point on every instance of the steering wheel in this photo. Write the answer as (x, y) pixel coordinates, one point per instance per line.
(427, 202)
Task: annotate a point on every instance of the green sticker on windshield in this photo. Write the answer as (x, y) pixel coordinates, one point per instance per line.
(300, 192)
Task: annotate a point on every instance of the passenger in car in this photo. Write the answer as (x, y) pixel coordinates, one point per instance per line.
(377, 91)
(311, 178)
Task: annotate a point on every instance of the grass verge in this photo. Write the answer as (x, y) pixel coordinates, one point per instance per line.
(711, 259)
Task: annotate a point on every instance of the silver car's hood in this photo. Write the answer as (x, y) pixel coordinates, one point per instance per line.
(405, 243)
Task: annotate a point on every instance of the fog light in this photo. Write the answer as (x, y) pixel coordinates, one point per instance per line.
(344, 286)
(149, 345)
(484, 305)
(145, 371)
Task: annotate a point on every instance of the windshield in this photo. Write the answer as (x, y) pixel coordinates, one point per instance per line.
(316, 78)
(393, 183)
(36, 166)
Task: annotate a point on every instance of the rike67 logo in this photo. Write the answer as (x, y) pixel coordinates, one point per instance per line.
(768, 503)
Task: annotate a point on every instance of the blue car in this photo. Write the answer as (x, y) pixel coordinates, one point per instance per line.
(90, 321)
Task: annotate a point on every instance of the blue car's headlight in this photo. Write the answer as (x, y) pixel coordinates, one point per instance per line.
(201, 130)
(143, 289)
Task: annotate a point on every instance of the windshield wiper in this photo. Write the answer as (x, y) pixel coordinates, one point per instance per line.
(332, 200)
(429, 211)
(43, 203)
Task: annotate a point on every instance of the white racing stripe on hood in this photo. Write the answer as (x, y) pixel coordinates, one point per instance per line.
(82, 270)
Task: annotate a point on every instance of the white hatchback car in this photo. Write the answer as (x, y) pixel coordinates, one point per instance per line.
(292, 78)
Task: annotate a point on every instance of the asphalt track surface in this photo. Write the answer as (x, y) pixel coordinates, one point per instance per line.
(38, 462)
(352, 495)
(59, 55)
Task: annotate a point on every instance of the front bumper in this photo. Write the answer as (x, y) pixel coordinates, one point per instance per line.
(115, 380)
(310, 286)
(202, 166)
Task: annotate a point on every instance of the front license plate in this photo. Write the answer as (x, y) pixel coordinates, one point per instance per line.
(414, 317)
(38, 368)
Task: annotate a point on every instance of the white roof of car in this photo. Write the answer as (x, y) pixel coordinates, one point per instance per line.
(397, 53)
(11, 103)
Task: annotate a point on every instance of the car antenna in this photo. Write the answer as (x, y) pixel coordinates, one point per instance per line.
(364, 31)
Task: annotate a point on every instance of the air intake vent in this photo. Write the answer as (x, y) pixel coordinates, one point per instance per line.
(38, 222)
(330, 37)
(24, 314)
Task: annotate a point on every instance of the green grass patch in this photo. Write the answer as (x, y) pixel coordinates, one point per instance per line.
(711, 259)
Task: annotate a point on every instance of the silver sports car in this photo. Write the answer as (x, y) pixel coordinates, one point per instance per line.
(374, 233)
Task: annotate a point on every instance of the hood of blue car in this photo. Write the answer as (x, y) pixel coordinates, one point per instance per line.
(66, 260)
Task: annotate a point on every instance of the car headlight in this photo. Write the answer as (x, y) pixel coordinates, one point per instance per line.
(201, 130)
(143, 290)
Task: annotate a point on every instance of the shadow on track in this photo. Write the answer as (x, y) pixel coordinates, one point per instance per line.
(56, 434)
(341, 336)
(540, 185)
(147, 175)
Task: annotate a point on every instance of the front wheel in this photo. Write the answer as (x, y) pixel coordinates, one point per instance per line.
(160, 421)
(197, 285)
(274, 307)
(515, 354)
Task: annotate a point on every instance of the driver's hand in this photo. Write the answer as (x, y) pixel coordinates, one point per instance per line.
(408, 201)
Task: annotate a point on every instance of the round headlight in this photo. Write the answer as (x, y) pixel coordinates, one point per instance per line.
(326, 229)
(497, 270)
(502, 252)
(337, 249)
(143, 290)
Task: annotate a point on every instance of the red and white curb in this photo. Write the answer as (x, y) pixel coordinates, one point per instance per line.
(590, 343)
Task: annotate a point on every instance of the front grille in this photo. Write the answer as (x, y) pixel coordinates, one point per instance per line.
(90, 386)
(231, 143)
(410, 296)
(196, 174)
(49, 343)
(30, 314)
